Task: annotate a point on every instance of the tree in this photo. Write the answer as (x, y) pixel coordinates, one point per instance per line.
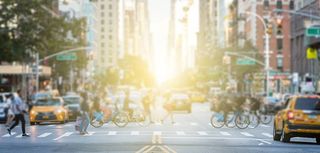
(26, 26)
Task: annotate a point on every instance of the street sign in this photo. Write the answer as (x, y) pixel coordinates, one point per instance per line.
(313, 31)
(245, 61)
(67, 57)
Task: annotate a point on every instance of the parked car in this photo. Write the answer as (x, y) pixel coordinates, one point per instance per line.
(3, 107)
(299, 118)
(48, 110)
(72, 103)
(181, 102)
(40, 95)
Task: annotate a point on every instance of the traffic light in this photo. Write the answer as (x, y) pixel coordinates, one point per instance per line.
(279, 26)
(269, 29)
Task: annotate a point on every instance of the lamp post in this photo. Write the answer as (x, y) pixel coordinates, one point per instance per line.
(267, 50)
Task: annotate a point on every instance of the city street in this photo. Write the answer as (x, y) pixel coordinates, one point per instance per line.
(191, 133)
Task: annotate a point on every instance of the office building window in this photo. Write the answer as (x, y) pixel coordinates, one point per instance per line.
(102, 36)
(280, 45)
(102, 29)
(102, 44)
(266, 4)
(102, 21)
(102, 6)
(279, 4)
(291, 5)
(110, 14)
(110, 37)
(280, 62)
(110, 6)
(110, 22)
(102, 14)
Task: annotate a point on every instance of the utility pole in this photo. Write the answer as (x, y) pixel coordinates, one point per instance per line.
(37, 72)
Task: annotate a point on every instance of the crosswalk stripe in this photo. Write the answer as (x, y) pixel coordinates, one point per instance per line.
(8, 135)
(225, 133)
(112, 133)
(193, 123)
(135, 133)
(68, 125)
(202, 133)
(246, 134)
(50, 125)
(90, 134)
(180, 133)
(64, 135)
(19, 136)
(44, 135)
(267, 135)
(157, 132)
(267, 126)
(176, 124)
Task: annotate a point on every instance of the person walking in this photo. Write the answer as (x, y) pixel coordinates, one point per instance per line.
(147, 100)
(84, 114)
(168, 106)
(18, 108)
(10, 116)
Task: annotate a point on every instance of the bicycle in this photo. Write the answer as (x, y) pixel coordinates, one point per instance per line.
(137, 116)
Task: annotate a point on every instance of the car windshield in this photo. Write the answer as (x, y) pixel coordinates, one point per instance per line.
(71, 100)
(42, 96)
(308, 104)
(51, 102)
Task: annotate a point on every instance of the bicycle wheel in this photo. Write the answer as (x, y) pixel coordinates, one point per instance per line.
(242, 121)
(265, 119)
(254, 121)
(97, 120)
(217, 120)
(230, 122)
(121, 119)
(141, 119)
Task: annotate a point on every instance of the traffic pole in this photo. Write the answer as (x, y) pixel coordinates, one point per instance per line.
(37, 72)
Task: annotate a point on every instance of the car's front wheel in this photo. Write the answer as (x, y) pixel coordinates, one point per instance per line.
(318, 140)
(32, 123)
(276, 137)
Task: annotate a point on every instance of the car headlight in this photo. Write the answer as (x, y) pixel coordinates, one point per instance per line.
(33, 112)
(59, 111)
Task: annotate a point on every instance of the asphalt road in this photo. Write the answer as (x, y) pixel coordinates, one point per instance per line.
(191, 133)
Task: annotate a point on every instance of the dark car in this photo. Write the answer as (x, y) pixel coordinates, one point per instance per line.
(270, 104)
(181, 102)
(72, 102)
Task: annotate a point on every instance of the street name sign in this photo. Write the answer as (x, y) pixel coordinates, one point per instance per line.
(313, 31)
(245, 61)
(67, 57)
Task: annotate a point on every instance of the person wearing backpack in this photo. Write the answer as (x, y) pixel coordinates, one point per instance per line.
(84, 114)
(19, 111)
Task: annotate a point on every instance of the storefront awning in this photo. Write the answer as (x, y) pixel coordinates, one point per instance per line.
(21, 69)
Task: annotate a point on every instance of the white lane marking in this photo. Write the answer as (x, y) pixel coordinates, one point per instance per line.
(112, 133)
(135, 133)
(176, 124)
(260, 144)
(202, 133)
(180, 133)
(193, 124)
(67, 125)
(90, 134)
(51, 125)
(246, 134)
(142, 149)
(170, 150)
(210, 124)
(225, 133)
(19, 136)
(8, 135)
(158, 124)
(264, 141)
(157, 132)
(267, 126)
(64, 135)
(148, 150)
(44, 135)
(267, 135)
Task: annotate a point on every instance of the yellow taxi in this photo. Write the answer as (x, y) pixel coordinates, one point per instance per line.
(299, 118)
(197, 97)
(48, 110)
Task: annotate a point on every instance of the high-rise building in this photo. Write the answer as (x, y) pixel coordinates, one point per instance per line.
(300, 42)
(107, 26)
(212, 29)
